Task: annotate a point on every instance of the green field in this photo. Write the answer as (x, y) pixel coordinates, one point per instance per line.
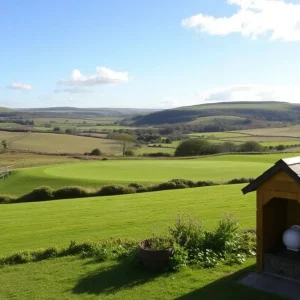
(214, 119)
(73, 279)
(23, 159)
(58, 143)
(43, 224)
(289, 131)
(217, 135)
(134, 216)
(147, 150)
(98, 173)
(38, 225)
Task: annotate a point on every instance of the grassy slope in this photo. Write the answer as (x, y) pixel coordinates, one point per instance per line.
(281, 106)
(47, 142)
(213, 119)
(95, 174)
(292, 131)
(42, 224)
(21, 160)
(72, 279)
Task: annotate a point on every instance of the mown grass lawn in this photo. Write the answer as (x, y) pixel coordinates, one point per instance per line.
(43, 224)
(73, 278)
(98, 173)
(55, 223)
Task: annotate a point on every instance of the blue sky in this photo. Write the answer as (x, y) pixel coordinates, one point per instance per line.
(150, 54)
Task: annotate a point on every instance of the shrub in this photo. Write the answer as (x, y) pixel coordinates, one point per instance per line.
(193, 147)
(157, 154)
(185, 182)
(75, 249)
(144, 189)
(179, 258)
(240, 180)
(104, 158)
(129, 153)
(5, 199)
(96, 152)
(70, 192)
(45, 254)
(111, 190)
(206, 248)
(251, 146)
(18, 258)
(168, 186)
(135, 185)
(43, 193)
(204, 183)
(225, 238)
(188, 233)
(280, 147)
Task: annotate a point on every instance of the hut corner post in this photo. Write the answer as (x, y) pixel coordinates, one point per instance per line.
(259, 230)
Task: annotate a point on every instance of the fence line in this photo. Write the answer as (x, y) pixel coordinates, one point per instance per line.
(5, 172)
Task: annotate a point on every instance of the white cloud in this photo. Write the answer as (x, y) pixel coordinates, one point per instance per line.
(73, 90)
(20, 86)
(103, 76)
(277, 18)
(168, 101)
(251, 93)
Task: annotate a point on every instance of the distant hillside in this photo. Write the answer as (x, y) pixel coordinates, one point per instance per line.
(5, 109)
(232, 115)
(86, 112)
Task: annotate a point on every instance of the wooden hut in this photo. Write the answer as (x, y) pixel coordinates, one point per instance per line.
(278, 208)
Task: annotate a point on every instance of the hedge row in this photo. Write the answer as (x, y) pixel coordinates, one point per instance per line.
(46, 193)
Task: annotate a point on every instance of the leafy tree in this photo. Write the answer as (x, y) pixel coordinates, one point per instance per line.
(4, 144)
(193, 147)
(129, 153)
(96, 152)
(56, 129)
(125, 140)
(251, 146)
(70, 131)
(168, 141)
(280, 147)
(229, 147)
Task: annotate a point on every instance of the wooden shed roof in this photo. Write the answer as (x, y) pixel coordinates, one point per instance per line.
(289, 165)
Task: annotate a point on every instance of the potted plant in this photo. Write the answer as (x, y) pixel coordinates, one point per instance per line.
(155, 253)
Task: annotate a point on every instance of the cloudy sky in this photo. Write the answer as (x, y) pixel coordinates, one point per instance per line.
(148, 54)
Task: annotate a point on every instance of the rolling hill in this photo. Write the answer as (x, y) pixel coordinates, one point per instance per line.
(255, 114)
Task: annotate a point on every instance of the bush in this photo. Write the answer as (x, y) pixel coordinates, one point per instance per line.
(280, 147)
(75, 249)
(17, 258)
(240, 180)
(202, 183)
(251, 146)
(167, 186)
(157, 154)
(70, 192)
(129, 153)
(45, 254)
(206, 248)
(194, 147)
(179, 258)
(96, 152)
(185, 182)
(188, 233)
(135, 185)
(111, 190)
(104, 158)
(5, 199)
(43, 193)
